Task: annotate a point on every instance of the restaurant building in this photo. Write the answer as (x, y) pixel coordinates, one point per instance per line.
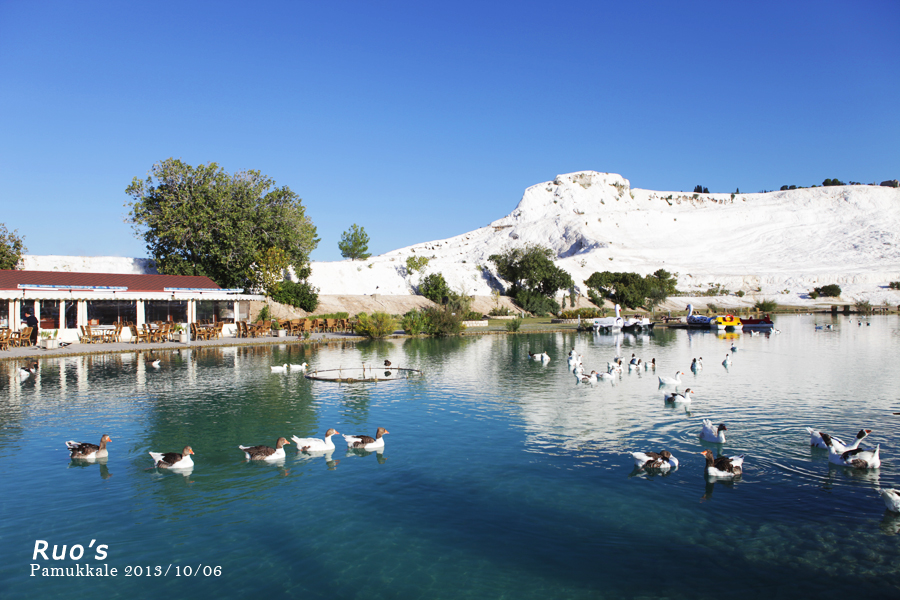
(65, 301)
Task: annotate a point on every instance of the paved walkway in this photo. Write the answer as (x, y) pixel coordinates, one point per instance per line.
(78, 349)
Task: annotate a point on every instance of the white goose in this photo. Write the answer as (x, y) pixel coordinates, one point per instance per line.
(173, 460)
(364, 442)
(677, 398)
(733, 348)
(815, 440)
(155, 365)
(697, 365)
(545, 358)
(713, 433)
(300, 367)
(856, 458)
(671, 380)
(592, 378)
(265, 452)
(606, 376)
(724, 466)
(650, 365)
(535, 355)
(315, 444)
(26, 372)
(652, 460)
(281, 369)
(727, 361)
(891, 500)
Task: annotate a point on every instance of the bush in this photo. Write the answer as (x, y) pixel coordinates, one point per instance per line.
(377, 326)
(265, 314)
(739, 293)
(536, 303)
(513, 325)
(864, 306)
(766, 305)
(894, 285)
(829, 291)
(302, 295)
(584, 313)
(443, 321)
(414, 322)
(337, 315)
(712, 307)
(500, 311)
(435, 288)
(473, 316)
(416, 263)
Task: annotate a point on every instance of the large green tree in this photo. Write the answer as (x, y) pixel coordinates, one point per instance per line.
(12, 247)
(204, 221)
(354, 243)
(531, 268)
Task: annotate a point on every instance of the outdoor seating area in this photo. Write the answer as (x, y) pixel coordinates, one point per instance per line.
(294, 327)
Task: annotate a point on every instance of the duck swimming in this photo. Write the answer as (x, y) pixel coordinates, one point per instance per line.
(724, 466)
(87, 450)
(712, 433)
(265, 452)
(652, 460)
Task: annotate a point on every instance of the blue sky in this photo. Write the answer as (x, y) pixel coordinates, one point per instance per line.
(420, 121)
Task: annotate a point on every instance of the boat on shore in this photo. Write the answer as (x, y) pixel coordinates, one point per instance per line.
(764, 324)
(726, 323)
(693, 319)
(637, 324)
(609, 323)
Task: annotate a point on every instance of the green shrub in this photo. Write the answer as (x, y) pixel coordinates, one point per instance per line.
(337, 315)
(414, 322)
(739, 293)
(712, 307)
(473, 316)
(536, 303)
(435, 288)
(513, 325)
(829, 291)
(894, 285)
(265, 314)
(377, 326)
(863, 306)
(443, 321)
(584, 313)
(500, 311)
(302, 295)
(416, 263)
(766, 305)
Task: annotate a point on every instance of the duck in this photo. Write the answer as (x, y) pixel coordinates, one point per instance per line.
(650, 365)
(891, 499)
(300, 367)
(28, 371)
(857, 458)
(592, 378)
(724, 466)
(88, 450)
(365, 442)
(265, 452)
(606, 376)
(155, 364)
(634, 365)
(545, 358)
(671, 380)
(280, 369)
(173, 460)
(387, 363)
(634, 359)
(727, 361)
(697, 365)
(733, 348)
(713, 433)
(684, 398)
(652, 460)
(815, 440)
(315, 444)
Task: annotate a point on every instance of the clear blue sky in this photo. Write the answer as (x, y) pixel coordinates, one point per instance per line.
(422, 120)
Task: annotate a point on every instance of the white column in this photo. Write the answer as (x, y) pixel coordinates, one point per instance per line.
(139, 307)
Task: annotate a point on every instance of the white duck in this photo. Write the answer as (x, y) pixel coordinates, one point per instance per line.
(727, 361)
(545, 358)
(155, 364)
(364, 442)
(733, 348)
(534, 355)
(724, 466)
(281, 369)
(173, 460)
(652, 460)
(265, 452)
(891, 500)
(300, 367)
(650, 365)
(26, 372)
(88, 450)
(671, 380)
(697, 365)
(815, 440)
(635, 365)
(592, 378)
(713, 433)
(677, 398)
(315, 444)
(634, 359)
(606, 376)
(856, 458)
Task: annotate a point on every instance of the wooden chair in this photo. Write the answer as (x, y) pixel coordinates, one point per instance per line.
(199, 333)
(85, 336)
(137, 336)
(24, 337)
(4, 339)
(218, 330)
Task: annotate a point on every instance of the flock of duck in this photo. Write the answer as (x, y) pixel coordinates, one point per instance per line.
(726, 467)
(183, 460)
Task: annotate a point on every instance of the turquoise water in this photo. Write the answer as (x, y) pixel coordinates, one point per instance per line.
(501, 477)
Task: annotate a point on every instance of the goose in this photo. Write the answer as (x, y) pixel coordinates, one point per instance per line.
(652, 460)
(724, 466)
(815, 440)
(606, 376)
(281, 369)
(545, 358)
(364, 442)
(856, 458)
(315, 444)
(387, 363)
(650, 365)
(88, 450)
(712, 433)
(26, 372)
(300, 367)
(727, 361)
(634, 365)
(697, 365)
(155, 365)
(634, 359)
(265, 452)
(891, 500)
(733, 348)
(670, 380)
(684, 398)
(173, 460)
(592, 378)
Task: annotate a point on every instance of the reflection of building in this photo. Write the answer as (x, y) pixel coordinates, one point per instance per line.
(67, 301)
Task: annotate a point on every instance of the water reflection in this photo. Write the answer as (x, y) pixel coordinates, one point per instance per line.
(83, 463)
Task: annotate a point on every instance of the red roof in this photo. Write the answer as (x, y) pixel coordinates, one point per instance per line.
(10, 280)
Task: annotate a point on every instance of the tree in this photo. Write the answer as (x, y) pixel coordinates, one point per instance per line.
(701, 190)
(630, 289)
(531, 268)
(12, 247)
(354, 243)
(435, 288)
(203, 221)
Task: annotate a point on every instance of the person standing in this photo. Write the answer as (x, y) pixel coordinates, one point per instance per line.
(31, 321)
